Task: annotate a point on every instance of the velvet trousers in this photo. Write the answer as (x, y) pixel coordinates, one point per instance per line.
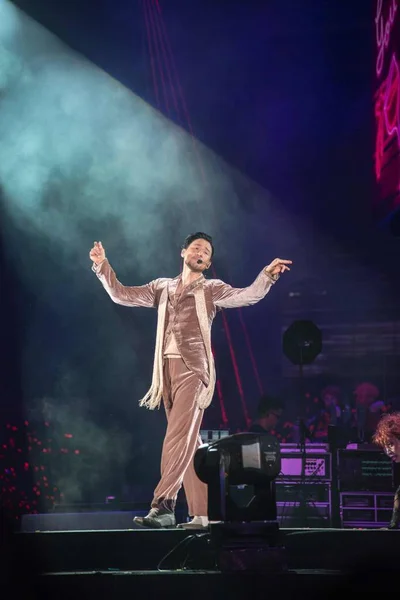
(181, 388)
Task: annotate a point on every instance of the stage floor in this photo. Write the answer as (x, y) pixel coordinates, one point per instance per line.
(140, 549)
(115, 563)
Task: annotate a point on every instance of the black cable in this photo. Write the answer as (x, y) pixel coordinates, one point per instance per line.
(183, 543)
(198, 537)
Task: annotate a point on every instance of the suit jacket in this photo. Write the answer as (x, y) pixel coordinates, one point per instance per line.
(189, 316)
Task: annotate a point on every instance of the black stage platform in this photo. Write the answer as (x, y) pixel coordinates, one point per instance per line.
(122, 563)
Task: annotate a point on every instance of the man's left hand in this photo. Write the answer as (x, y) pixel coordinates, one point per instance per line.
(278, 266)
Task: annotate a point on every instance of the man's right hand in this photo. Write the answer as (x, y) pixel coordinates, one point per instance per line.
(97, 253)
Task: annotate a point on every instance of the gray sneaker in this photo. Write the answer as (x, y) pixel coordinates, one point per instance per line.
(158, 518)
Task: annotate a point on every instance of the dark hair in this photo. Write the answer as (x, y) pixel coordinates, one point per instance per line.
(199, 235)
(331, 390)
(269, 403)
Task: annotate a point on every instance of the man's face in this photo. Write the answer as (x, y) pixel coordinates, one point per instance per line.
(366, 394)
(197, 256)
(329, 400)
(392, 449)
(271, 419)
(363, 399)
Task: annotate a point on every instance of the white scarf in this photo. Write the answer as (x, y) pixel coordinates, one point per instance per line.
(153, 397)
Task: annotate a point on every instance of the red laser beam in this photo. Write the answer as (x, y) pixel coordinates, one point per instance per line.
(160, 40)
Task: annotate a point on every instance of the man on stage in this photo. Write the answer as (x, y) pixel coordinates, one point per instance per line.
(183, 370)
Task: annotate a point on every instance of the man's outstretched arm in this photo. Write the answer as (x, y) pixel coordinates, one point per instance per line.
(143, 295)
(226, 296)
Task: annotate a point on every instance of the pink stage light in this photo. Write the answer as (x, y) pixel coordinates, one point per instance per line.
(383, 28)
(391, 105)
(387, 114)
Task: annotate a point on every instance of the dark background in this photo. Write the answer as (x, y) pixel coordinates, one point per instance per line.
(283, 91)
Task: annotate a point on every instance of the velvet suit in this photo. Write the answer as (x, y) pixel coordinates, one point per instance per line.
(182, 381)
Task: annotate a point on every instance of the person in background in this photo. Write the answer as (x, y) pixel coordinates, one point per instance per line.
(269, 412)
(330, 412)
(368, 410)
(387, 436)
(269, 416)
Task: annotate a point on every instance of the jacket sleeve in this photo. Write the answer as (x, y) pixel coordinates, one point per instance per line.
(226, 296)
(142, 295)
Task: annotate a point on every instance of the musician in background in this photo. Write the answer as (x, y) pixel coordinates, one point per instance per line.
(387, 436)
(269, 420)
(332, 412)
(368, 410)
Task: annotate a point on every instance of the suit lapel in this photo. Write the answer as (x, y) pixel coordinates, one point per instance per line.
(190, 289)
(175, 297)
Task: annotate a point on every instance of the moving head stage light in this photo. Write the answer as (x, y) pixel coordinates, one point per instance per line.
(243, 459)
(245, 535)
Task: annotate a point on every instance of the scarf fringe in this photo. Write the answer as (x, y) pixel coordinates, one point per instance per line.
(152, 399)
(206, 396)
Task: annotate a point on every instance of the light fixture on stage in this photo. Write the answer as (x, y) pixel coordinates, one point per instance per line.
(245, 537)
(242, 459)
